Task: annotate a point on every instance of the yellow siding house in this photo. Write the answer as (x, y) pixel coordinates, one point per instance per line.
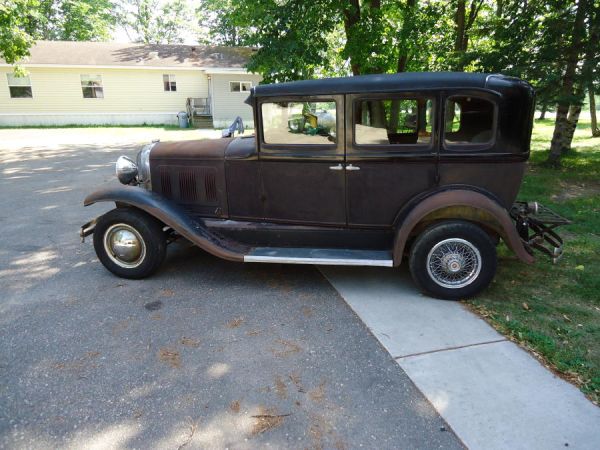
(113, 83)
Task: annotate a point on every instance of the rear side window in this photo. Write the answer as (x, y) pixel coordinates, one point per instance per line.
(296, 122)
(468, 120)
(399, 121)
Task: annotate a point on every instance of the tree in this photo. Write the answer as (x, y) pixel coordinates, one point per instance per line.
(563, 131)
(72, 20)
(156, 21)
(15, 41)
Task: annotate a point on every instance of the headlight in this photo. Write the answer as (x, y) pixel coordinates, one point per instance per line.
(143, 162)
(126, 170)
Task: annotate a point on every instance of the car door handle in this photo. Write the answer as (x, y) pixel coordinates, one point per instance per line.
(351, 167)
(338, 167)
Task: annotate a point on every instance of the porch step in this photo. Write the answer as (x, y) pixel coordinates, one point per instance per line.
(202, 122)
(323, 256)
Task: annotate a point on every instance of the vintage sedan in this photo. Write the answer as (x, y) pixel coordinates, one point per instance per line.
(363, 171)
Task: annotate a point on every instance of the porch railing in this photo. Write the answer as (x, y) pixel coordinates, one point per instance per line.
(199, 106)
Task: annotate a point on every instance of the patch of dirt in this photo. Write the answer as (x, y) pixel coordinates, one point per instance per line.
(234, 407)
(120, 326)
(171, 357)
(80, 364)
(280, 388)
(317, 394)
(295, 378)
(189, 342)
(167, 293)
(308, 312)
(253, 333)
(235, 322)
(288, 348)
(570, 191)
(266, 419)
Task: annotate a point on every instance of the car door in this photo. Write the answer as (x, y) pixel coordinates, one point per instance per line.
(302, 159)
(391, 154)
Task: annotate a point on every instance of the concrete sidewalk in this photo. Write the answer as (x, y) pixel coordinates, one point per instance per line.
(491, 392)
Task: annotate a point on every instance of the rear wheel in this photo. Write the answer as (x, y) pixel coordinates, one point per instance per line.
(130, 243)
(453, 260)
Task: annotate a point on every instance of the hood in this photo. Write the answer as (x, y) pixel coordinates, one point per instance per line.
(197, 149)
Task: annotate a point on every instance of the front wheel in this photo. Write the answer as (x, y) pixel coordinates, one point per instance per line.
(130, 243)
(453, 260)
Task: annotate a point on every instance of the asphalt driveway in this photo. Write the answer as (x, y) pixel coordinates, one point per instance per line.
(206, 354)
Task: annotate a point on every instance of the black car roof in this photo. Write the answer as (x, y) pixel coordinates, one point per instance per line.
(374, 83)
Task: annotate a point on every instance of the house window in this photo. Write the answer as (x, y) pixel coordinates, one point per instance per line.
(169, 83)
(91, 85)
(468, 120)
(299, 122)
(393, 121)
(240, 86)
(19, 87)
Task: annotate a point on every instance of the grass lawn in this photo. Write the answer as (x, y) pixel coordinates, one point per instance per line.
(554, 310)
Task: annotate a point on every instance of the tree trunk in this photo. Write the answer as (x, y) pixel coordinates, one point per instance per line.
(572, 119)
(351, 18)
(543, 111)
(459, 38)
(560, 141)
(595, 130)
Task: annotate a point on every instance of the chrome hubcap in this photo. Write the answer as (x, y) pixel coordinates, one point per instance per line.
(454, 263)
(124, 245)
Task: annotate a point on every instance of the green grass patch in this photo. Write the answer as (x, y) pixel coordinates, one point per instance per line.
(554, 310)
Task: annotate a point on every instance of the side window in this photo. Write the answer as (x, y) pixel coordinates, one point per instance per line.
(290, 122)
(469, 120)
(240, 86)
(19, 87)
(400, 121)
(91, 85)
(169, 83)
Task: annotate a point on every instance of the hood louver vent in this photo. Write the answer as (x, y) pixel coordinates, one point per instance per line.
(190, 185)
(165, 182)
(187, 186)
(210, 187)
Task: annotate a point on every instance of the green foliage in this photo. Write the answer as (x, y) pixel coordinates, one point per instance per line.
(72, 20)
(15, 41)
(155, 21)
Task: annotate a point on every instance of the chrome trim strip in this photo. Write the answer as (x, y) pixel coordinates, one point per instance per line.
(319, 261)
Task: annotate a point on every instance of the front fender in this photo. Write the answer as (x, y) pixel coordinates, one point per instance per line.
(460, 198)
(170, 214)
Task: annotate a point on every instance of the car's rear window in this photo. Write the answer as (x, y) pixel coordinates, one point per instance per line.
(298, 122)
(468, 120)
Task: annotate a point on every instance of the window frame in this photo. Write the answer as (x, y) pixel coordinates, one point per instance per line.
(30, 86)
(170, 82)
(240, 83)
(91, 87)
(333, 151)
(470, 147)
(400, 149)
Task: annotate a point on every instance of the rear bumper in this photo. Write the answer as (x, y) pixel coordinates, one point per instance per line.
(536, 225)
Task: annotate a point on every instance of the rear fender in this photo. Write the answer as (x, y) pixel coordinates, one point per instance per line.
(168, 213)
(460, 204)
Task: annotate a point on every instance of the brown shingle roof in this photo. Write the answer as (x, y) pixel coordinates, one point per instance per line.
(137, 55)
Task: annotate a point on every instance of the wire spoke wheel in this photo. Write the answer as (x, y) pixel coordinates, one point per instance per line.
(454, 263)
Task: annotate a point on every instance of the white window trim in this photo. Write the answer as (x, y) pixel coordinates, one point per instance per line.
(19, 85)
(240, 91)
(91, 74)
(174, 80)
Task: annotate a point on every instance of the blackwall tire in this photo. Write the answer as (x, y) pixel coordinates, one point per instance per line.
(453, 260)
(130, 243)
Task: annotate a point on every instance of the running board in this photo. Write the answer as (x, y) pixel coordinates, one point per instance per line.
(320, 256)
